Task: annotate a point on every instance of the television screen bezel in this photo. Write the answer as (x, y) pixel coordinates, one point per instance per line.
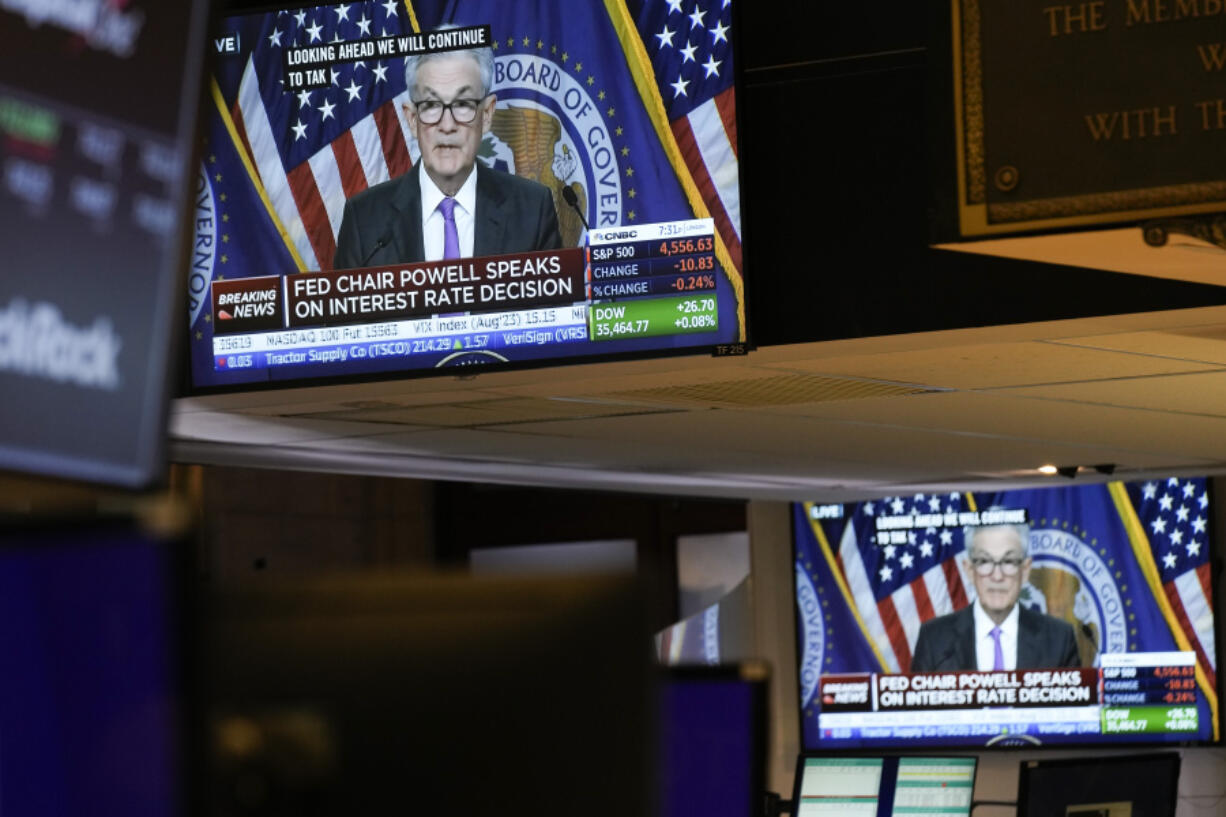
(187, 388)
(1217, 529)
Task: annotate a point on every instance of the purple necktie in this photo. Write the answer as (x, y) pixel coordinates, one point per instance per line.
(451, 236)
(998, 657)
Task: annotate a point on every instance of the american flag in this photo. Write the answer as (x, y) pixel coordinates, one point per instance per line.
(1175, 516)
(688, 42)
(314, 148)
(896, 587)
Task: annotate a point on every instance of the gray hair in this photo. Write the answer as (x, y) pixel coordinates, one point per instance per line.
(483, 56)
(1020, 530)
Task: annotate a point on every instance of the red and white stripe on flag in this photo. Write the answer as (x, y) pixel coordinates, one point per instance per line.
(1189, 595)
(707, 140)
(310, 198)
(893, 622)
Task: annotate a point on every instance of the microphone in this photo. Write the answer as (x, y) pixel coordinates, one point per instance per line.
(568, 193)
(383, 241)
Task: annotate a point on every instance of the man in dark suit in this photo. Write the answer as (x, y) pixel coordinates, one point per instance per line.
(995, 632)
(449, 205)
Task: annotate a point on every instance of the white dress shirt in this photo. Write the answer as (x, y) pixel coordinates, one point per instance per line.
(432, 218)
(985, 645)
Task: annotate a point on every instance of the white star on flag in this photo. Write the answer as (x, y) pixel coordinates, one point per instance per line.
(354, 90)
(300, 16)
(299, 131)
(946, 538)
(1169, 560)
(275, 37)
(364, 25)
(696, 18)
(1193, 548)
(886, 573)
(897, 505)
(390, 7)
(304, 98)
(1159, 525)
(720, 32)
(313, 29)
(926, 550)
(342, 12)
(380, 72)
(1176, 536)
(688, 53)
(666, 37)
(934, 504)
(1198, 524)
(1150, 490)
(326, 109)
(674, 6)
(1188, 489)
(890, 550)
(679, 86)
(1166, 502)
(907, 560)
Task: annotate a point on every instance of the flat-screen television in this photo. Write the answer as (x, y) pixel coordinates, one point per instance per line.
(97, 128)
(1121, 786)
(711, 728)
(561, 182)
(92, 706)
(1070, 615)
(883, 786)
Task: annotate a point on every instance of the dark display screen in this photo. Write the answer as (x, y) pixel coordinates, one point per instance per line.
(90, 706)
(96, 112)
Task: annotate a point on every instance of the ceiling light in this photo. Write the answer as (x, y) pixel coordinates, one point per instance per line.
(1049, 470)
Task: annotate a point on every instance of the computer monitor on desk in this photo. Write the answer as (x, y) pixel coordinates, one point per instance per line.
(883, 786)
(1121, 786)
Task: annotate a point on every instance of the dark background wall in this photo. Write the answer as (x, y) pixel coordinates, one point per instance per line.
(847, 166)
(256, 522)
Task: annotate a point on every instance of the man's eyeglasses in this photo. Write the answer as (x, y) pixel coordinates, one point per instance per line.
(986, 567)
(463, 110)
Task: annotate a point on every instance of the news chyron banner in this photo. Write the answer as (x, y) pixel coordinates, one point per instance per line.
(1114, 640)
(97, 105)
(623, 109)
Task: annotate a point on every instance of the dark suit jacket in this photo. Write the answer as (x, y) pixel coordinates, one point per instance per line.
(947, 643)
(382, 225)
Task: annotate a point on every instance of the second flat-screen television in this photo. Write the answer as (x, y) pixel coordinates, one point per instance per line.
(401, 186)
(1071, 615)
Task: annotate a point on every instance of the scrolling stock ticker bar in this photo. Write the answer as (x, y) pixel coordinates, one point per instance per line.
(647, 281)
